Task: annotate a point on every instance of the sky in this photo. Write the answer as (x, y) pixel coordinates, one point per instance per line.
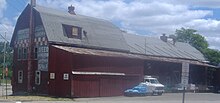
(142, 17)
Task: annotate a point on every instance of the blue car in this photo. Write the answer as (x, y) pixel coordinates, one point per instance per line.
(139, 90)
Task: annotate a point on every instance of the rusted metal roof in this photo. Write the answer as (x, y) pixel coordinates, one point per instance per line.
(94, 52)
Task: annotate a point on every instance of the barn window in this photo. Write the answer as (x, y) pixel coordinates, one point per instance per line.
(72, 31)
(35, 52)
(24, 53)
(19, 53)
(52, 75)
(37, 77)
(20, 76)
(65, 76)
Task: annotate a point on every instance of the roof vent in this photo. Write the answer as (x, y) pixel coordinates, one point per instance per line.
(173, 37)
(163, 38)
(71, 10)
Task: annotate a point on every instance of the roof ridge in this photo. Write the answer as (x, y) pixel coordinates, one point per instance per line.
(61, 11)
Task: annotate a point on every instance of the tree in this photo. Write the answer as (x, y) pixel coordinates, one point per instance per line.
(8, 58)
(212, 55)
(199, 42)
(192, 37)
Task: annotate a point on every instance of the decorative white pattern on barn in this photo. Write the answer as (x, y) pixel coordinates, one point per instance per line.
(40, 43)
(42, 58)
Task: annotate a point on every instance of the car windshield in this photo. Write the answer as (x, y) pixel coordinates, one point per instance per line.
(154, 81)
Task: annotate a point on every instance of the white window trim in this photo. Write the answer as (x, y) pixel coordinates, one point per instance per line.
(20, 78)
(36, 72)
(65, 76)
(52, 75)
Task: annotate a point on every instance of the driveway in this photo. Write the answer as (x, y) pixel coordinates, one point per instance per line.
(166, 98)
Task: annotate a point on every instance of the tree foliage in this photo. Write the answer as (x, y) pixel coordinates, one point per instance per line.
(199, 42)
(8, 58)
(192, 37)
(212, 55)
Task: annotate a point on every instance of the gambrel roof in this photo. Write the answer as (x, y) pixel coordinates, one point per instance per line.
(102, 34)
(99, 33)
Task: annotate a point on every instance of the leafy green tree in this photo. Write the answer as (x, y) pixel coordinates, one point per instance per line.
(199, 42)
(212, 55)
(8, 58)
(192, 37)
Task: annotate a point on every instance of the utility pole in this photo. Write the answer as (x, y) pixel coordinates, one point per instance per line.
(4, 63)
(30, 49)
(145, 48)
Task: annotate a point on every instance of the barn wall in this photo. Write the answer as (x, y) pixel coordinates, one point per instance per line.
(59, 63)
(108, 85)
(22, 64)
(22, 87)
(22, 22)
(216, 80)
(91, 85)
(96, 86)
(43, 87)
(107, 64)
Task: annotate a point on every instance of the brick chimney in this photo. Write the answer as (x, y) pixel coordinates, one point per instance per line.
(163, 38)
(71, 10)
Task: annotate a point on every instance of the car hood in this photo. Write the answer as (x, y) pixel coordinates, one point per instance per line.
(156, 85)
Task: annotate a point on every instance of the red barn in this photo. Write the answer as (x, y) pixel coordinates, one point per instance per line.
(73, 55)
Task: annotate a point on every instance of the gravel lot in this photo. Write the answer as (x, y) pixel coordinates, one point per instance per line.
(165, 98)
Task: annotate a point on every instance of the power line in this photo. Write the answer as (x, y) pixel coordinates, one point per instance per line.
(4, 26)
(4, 37)
(5, 32)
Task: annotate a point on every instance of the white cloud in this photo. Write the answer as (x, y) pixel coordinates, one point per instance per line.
(204, 3)
(192, 3)
(215, 41)
(150, 16)
(2, 7)
(6, 27)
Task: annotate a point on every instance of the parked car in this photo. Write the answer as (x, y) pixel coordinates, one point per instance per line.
(180, 87)
(217, 89)
(155, 87)
(139, 90)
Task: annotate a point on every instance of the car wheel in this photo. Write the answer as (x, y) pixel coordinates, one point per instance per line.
(160, 93)
(154, 93)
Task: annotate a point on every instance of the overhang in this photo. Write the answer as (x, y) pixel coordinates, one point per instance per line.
(97, 73)
(84, 51)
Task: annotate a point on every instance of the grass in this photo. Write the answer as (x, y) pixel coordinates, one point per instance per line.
(35, 98)
(4, 81)
(31, 97)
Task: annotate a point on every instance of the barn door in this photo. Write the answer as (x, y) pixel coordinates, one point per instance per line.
(85, 88)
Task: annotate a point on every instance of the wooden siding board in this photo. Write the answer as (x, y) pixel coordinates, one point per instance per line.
(96, 86)
(61, 61)
(22, 23)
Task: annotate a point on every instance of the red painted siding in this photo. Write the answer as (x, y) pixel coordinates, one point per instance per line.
(22, 65)
(92, 86)
(95, 86)
(22, 23)
(59, 63)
